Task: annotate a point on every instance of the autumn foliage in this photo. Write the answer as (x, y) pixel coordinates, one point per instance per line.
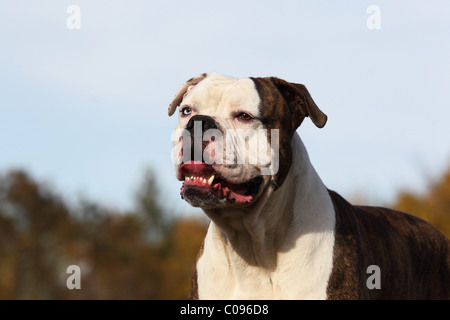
(432, 206)
(143, 254)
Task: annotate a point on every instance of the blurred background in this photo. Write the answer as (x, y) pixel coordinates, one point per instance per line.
(86, 176)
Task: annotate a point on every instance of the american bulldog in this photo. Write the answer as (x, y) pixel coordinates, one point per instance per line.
(276, 231)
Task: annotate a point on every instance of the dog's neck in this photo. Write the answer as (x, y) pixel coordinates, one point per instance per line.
(278, 220)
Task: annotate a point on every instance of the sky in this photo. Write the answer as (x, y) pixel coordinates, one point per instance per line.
(85, 109)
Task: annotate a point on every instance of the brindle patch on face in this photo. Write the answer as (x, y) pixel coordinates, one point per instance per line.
(284, 106)
(275, 113)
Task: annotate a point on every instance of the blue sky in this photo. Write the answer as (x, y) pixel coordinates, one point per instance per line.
(86, 110)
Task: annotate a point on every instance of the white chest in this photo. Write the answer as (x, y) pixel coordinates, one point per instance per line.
(302, 272)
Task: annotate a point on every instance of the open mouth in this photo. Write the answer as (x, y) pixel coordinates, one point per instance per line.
(201, 179)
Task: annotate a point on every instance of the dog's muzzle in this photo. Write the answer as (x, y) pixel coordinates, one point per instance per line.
(204, 183)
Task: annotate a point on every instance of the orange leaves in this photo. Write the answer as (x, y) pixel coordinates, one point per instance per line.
(432, 206)
(134, 255)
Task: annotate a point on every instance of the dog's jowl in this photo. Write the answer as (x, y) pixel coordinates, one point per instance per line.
(276, 231)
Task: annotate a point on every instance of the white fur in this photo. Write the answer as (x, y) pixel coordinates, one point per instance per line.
(223, 97)
(217, 95)
(285, 254)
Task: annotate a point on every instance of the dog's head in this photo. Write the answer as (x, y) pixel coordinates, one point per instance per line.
(233, 137)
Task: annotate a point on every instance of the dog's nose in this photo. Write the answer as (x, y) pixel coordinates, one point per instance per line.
(207, 123)
(197, 147)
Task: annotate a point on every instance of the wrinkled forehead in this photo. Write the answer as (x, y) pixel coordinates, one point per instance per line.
(219, 95)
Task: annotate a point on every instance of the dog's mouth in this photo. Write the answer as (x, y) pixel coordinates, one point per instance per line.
(201, 180)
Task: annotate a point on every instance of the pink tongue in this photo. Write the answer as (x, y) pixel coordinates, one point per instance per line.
(239, 198)
(226, 192)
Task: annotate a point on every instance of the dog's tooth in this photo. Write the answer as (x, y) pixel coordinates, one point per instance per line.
(186, 178)
(210, 180)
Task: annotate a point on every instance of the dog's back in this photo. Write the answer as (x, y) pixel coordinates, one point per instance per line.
(412, 256)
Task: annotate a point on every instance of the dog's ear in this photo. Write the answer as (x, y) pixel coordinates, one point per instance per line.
(185, 88)
(299, 99)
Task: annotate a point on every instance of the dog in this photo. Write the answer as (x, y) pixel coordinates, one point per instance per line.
(276, 231)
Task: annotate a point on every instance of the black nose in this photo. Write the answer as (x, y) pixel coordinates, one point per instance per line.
(206, 121)
(197, 147)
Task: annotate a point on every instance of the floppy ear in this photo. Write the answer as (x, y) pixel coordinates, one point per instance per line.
(299, 99)
(183, 91)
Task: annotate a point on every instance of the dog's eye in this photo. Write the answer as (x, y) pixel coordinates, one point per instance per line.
(185, 111)
(244, 116)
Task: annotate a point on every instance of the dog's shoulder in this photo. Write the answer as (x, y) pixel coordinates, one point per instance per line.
(368, 236)
(396, 225)
(385, 223)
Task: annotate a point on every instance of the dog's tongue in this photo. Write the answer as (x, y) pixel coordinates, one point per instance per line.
(240, 198)
(232, 195)
(196, 168)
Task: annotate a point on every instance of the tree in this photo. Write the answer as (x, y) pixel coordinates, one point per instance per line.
(143, 254)
(148, 206)
(33, 219)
